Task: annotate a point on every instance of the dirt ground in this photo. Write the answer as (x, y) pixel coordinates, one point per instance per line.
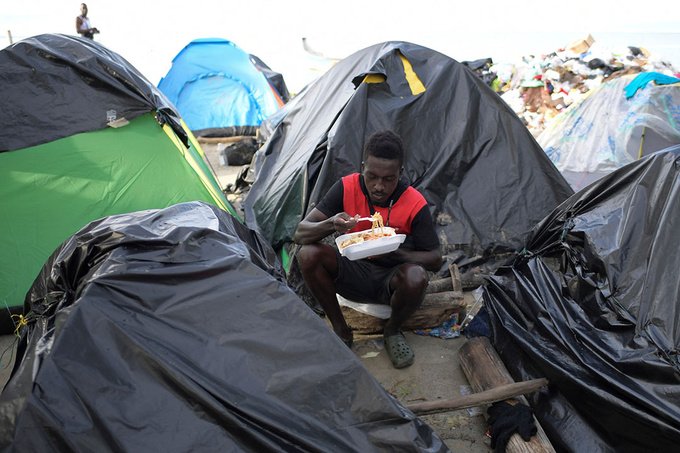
(435, 375)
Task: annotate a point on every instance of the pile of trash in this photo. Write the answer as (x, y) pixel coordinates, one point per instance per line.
(540, 87)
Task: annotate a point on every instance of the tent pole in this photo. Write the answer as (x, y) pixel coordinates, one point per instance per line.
(642, 141)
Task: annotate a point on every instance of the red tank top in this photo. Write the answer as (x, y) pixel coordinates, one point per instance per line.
(400, 216)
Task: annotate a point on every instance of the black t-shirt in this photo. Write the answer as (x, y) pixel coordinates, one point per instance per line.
(423, 235)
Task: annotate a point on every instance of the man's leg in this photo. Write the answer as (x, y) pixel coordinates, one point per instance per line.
(319, 268)
(408, 285)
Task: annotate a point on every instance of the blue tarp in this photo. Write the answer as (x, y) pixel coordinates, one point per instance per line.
(215, 86)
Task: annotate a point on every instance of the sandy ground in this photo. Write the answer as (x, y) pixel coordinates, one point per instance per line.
(436, 373)
(226, 174)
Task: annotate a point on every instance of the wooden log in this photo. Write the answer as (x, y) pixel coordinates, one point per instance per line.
(455, 277)
(468, 281)
(213, 140)
(443, 298)
(439, 285)
(500, 393)
(435, 309)
(471, 280)
(485, 370)
(450, 283)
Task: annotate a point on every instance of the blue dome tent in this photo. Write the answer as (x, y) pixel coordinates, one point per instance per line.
(218, 90)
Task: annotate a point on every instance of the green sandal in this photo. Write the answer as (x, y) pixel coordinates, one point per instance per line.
(399, 352)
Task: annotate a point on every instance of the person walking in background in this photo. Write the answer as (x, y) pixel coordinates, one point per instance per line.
(83, 24)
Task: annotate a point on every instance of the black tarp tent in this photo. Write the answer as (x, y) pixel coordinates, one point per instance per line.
(173, 330)
(593, 304)
(86, 76)
(486, 179)
(274, 78)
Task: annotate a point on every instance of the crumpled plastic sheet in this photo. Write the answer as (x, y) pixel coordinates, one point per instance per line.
(448, 329)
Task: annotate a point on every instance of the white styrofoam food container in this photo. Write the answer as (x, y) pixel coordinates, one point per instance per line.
(372, 247)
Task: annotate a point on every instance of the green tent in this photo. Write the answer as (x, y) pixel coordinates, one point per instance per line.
(85, 136)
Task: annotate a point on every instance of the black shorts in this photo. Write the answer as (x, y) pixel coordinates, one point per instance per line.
(363, 281)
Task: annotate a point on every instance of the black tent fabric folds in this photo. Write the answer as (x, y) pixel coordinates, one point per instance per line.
(593, 304)
(274, 78)
(173, 330)
(96, 76)
(486, 179)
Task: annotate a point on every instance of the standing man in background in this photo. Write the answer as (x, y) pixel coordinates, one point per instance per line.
(83, 24)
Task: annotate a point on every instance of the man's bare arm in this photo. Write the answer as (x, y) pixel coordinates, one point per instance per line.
(317, 226)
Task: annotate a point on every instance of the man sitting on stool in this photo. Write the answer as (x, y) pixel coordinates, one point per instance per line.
(397, 278)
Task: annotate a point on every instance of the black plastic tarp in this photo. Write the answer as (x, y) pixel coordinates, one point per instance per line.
(593, 304)
(486, 179)
(274, 78)
(76, 85)
(173, 330)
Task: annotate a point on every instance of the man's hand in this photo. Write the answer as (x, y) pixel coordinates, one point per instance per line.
(343, 222)
(317, 226)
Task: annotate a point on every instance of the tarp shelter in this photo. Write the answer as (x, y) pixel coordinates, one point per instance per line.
(607, 130)
(218, 90)
(274, 78)
(486, 179)
(593, 305)
(84, 136)
(173, 330)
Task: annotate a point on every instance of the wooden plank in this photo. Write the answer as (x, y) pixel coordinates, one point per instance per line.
(434, 311)
(233, 139)
(500, 393)
(485, 370)
(456, 284)
(450, 283)
(443, 298)
(439, 285)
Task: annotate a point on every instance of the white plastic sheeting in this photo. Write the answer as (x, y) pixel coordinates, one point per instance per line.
(605, 130)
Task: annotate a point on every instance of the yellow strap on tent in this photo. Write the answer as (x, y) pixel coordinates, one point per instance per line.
(21, 322)
(192, 138)
(642, 141)
(412, 78)
(194, 165)
(374, 78)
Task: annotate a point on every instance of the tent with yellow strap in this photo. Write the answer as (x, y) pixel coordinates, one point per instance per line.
(485, 178)
(84, 136)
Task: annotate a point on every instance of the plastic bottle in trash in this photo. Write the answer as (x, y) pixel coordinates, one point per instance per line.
(474, 308)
